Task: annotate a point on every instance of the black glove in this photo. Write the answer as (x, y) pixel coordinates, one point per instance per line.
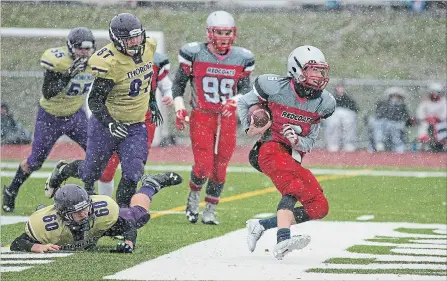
(118, 129)
(78, 66)
(122, 248)
(156, 114)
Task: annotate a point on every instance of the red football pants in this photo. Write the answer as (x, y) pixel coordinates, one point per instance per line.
(109, 171)
(290, 178)
(203, 130)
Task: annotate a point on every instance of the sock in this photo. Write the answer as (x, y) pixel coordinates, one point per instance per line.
(149, 189)
(300, 215)
(125, 191)
(19, 178)
(213, 191)
(269, 223)
(195, 184)
(282, 234)
(106, 188)
(90, 187)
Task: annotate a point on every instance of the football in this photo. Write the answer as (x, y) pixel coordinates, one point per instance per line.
(261, 117)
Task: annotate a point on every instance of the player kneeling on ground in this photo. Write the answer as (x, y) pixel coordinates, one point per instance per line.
(76, 220)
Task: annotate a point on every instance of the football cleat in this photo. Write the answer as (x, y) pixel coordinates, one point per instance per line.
(255, 231)
(209, 214)
(55, 179)
(8, 200)
(162, 180)
(296, 242)
(192, 207)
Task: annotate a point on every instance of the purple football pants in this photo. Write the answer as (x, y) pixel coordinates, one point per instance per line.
(49, 128)
(132, 151)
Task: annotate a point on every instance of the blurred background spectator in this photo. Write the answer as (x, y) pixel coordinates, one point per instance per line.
(390, 120)
(12, 132)
(431, 114)
(341, 128)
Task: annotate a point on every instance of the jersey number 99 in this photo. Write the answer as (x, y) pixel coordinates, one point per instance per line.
(216, 91)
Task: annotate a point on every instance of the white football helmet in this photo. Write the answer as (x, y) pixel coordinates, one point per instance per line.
(221, 30)
(308, 66)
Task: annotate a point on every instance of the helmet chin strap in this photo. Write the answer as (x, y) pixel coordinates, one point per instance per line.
(304, 92)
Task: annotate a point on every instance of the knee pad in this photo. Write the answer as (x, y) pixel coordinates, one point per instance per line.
(318, 208)
(287, 202)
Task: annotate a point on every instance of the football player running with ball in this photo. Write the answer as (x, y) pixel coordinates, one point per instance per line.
(120, 97)
(219, 73)
(66, 82)
(76, 220)
(297, 102)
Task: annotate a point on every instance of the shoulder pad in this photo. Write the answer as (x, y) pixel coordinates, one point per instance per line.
(245, 53)
(266, 85)
(102, 62)
(44, 225)
(151, 44)
(189, 50)
(56, 59)
(328, 104)
(160, 60)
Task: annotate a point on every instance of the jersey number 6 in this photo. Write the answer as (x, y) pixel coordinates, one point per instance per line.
(100, 208)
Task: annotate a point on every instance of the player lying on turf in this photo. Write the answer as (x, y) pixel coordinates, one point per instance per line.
(76, 220)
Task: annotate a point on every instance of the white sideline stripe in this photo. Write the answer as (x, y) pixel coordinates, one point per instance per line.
(13, 268)
(235, 169)
(393, 258)
(5, 220)
(25, 261)
(428, 252)
(386, 266)
(167, 212)
(35, 256)
(401, 245)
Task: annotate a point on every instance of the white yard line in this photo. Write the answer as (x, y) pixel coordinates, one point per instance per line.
(237, 169)
(413, 246)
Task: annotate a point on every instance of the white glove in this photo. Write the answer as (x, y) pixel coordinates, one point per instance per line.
(291, 135)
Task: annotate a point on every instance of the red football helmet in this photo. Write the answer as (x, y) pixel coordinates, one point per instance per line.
(221, 30)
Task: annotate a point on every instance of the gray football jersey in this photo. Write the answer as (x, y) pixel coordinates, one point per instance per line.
(161, 66)
(214, 78)
(278, 94)
(160, 60)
